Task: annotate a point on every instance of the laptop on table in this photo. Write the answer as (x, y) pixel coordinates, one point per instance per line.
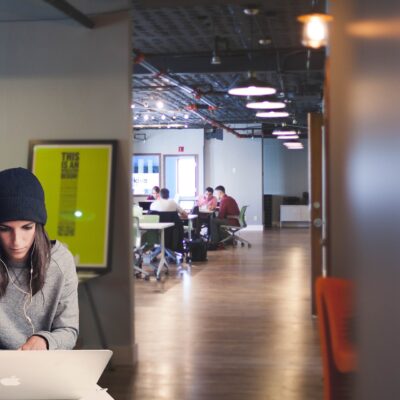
(51, 375)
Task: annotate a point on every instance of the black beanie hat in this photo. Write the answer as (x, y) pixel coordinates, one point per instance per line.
(21, 197)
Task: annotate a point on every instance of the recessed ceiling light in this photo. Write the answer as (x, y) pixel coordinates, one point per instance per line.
(146, 117)
(163, 117)
(272, 114)
(186, 116)
(160, 105)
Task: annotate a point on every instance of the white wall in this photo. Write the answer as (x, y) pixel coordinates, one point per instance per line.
(61, 81)
(167, 141)
(285, 171)
(237, 164)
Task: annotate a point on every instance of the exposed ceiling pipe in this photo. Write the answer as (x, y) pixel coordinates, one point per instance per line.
(218, 124)
(140, 59)
(190, 91)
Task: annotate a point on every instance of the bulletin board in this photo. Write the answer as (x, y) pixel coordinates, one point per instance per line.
(77, 178)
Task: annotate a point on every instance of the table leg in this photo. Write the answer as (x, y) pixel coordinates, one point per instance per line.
(190, 227)
(162, 256)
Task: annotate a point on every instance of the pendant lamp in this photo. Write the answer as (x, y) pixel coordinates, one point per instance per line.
(252, 87)
(269, 103)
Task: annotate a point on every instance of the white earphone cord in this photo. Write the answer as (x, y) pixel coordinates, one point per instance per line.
(29, 294)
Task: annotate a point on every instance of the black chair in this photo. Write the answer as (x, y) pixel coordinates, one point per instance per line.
(173, 239)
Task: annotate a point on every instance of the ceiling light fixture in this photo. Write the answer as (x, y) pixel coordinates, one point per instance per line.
(265, 41)
(251, 10)
(160, 105)
(282, 132)
(272, 114)
(288, 137)
(215, 59)
(252, 87)
(163, 117)
(266, 105)
(186, 116)
(146, 117)
(293, 145)
(315, 29)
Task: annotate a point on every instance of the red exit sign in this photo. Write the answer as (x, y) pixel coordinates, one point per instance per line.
(181, 149)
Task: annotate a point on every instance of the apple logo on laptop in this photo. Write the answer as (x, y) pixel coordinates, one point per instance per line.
(10, 381)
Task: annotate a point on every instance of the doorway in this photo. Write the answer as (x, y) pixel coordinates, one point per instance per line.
(181, 176)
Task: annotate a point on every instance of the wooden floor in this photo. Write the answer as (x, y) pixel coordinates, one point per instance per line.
(237, 328)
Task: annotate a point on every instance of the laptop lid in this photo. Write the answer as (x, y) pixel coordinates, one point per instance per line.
(50, 375)
(145, 205)
(187, 204)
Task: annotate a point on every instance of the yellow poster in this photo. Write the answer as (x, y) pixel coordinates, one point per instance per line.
(76, 179)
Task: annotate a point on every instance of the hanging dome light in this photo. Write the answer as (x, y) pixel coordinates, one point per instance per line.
(282, 132)
(252, 87)
(288, 137)
(272, 114)
(270, 104)
(315, 29)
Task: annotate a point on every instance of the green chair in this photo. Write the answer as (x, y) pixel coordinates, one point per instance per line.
(231, 230)
(143, 242)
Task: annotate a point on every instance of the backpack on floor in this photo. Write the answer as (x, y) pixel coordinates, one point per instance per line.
(198, 250)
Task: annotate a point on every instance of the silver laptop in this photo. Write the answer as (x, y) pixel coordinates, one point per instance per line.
(50, 375)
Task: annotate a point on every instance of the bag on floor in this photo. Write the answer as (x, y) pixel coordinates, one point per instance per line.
(198, 250)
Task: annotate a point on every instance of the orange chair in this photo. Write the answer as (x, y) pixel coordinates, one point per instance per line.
(335, 321)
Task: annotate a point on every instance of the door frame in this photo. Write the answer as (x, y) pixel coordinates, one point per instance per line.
(196, 158)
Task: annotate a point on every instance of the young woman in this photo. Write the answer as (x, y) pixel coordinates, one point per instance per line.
(38, 281)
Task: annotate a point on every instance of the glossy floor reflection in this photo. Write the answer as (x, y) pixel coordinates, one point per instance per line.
(238, 328)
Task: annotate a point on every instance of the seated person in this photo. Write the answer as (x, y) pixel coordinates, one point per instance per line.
(155, 194)
(228, 207)
(207, 200)
(164, 203)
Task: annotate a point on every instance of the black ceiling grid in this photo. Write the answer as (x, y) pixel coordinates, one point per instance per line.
(178, 38)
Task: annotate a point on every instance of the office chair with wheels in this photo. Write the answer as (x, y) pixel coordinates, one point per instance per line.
(144, 242)
(138, 249)
(232, 230)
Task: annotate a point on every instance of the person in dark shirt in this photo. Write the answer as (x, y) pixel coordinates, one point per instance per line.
(227, 207)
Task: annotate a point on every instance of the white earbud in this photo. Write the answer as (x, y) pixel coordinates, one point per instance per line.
(29, 294)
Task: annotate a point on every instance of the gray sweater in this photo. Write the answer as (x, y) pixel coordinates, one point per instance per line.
(53, 311)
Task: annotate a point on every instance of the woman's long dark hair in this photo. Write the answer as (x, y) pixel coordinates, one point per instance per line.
(40, 258)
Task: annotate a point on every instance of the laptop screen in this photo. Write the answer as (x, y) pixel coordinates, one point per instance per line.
(187, 204)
